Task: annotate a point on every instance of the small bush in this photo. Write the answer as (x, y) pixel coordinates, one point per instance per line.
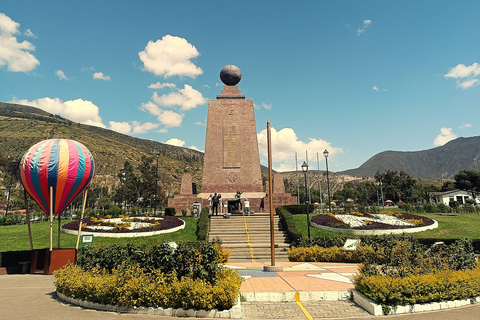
(170, 212)
(203, 224)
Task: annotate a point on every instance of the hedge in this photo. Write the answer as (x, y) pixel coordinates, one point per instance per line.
(294, 235)
(199, 260)
(440, 286)
(299, 208)
(132, 286)
(203, 224)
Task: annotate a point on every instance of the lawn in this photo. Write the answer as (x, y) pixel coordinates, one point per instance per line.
(15, 238)
(449, 227)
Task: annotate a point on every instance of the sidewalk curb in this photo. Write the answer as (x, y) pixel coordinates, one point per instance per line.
(379, 310)
(234, 313)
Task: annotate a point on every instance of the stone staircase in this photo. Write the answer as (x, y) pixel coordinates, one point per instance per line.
(248, 237)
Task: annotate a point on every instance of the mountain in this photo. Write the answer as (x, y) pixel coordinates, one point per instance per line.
(23, 126)
(440, 162)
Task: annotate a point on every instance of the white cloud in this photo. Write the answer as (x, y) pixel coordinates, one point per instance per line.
(79, 110)
(462, 71)
(285, 144)
(133, 127)
(366, 25)
(30, 34)
(467, 73)
(139, 128)
(170, 56)
(466, 125)
(159, 85)
(198, 123)
(187, 98)
(61, 75)
(175, 142)
(467, 83)
(163, 130)
(445, 136)
(375, 88)
(100, 76)
(121, 127)
(15, 55)
(170, 119)
(195, 148)
(263, 105)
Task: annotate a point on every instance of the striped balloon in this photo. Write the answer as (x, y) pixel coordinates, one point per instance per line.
(63, 164)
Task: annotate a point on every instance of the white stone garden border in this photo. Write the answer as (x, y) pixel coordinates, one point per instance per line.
(377, 309)
(377, 231)
(235, 312)
(126, 234)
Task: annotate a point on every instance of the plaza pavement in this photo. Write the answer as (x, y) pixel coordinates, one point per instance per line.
(33, 296)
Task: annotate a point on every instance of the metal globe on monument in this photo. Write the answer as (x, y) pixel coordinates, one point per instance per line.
(230, 75)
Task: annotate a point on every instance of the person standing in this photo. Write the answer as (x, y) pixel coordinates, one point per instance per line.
(246, 207)
(210, 198)
(220, 203)
(215, 205)
(238, 204)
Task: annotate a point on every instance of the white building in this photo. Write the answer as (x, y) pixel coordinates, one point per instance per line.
(454, 195)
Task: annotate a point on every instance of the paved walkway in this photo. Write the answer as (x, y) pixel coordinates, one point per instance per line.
(33, 296)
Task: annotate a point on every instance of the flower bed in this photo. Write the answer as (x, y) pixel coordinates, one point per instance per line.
(367, 221)
(125, 224)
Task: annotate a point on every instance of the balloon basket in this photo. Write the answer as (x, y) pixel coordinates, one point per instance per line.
(46, 261)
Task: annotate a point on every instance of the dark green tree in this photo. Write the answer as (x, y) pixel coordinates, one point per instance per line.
(468, 180)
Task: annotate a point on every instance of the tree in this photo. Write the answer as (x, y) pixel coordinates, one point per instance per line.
(397, 186)
(468, 180)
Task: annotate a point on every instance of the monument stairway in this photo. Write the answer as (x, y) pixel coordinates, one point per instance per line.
(248, 237)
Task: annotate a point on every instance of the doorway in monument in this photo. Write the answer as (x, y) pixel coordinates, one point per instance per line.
(231, 205)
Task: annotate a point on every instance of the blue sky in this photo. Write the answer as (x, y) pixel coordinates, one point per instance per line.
(354, 77)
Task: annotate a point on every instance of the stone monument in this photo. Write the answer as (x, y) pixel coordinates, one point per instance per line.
(231, 161)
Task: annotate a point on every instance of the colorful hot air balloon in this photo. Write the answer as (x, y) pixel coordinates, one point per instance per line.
(65, 165)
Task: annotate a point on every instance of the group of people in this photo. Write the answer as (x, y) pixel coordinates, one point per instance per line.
(216, 206)
(215, 201)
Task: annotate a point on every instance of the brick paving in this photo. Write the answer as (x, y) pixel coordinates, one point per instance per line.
(290, 310)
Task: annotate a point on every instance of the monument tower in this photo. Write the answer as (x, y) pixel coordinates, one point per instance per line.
(231, 161)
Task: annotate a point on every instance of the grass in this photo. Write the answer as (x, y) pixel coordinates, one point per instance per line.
(15, 238)
(449, 227)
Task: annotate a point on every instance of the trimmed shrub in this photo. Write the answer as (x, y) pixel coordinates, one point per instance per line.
(193, 259)
(432, 287)
(332, 254)
(294, 235)
(132, 286)
(299, 208)
(203, 224)
(170, 212)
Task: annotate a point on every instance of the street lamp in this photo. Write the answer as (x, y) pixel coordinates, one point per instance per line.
(325, 153)
(124, 179)
(305, 172)
(381, 191)
(157, 153)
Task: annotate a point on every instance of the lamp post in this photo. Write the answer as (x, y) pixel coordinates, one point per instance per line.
(325, 153)
(381, 191)
(157, 153)
(305, 172)
(124, 179)
(10, 187)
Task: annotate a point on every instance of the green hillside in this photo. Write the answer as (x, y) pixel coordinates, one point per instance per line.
(23, 126)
